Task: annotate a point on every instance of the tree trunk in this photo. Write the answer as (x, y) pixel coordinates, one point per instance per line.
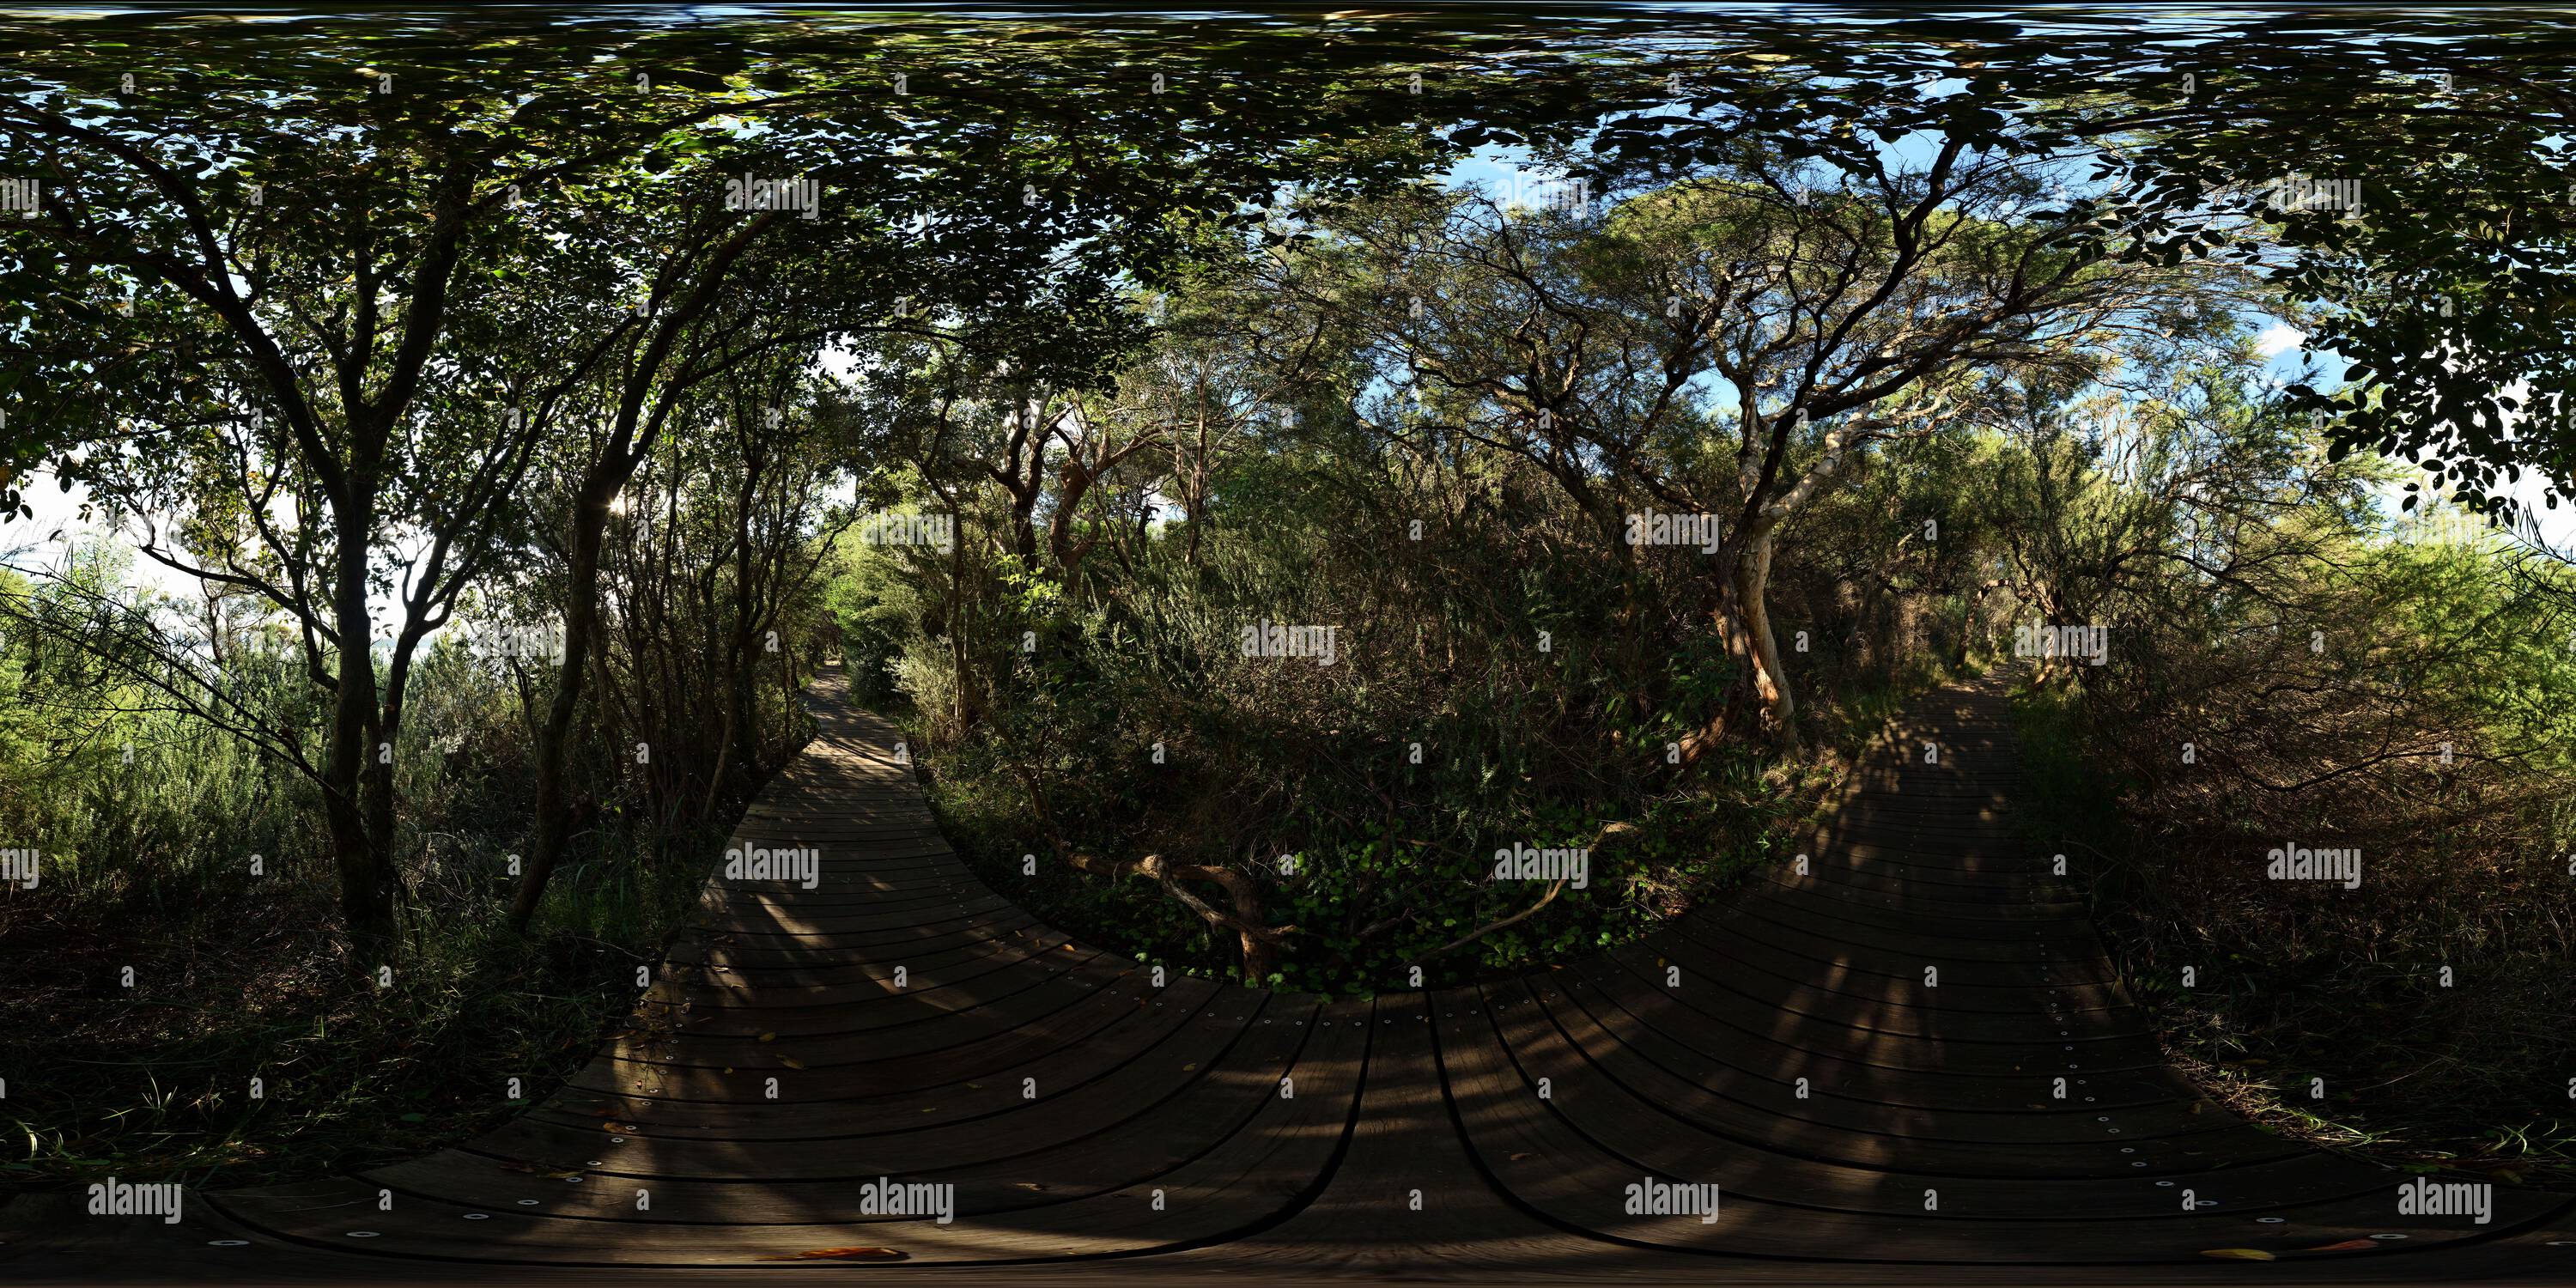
(581, 621)
(791, 689)
(1743, 622)
(1967, 629)
(1069, 553)
(1752, 603)
(724, 755)
(366, 891)
(1024, 528)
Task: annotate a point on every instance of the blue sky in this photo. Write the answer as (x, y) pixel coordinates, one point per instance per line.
(2283, 346)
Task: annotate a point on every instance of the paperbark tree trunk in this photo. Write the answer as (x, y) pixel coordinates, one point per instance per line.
(1743, 623)
(1753, 605)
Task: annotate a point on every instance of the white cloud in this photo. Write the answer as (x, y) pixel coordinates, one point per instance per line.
(2278, 339)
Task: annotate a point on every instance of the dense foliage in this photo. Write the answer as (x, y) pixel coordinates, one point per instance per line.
(1275, 466)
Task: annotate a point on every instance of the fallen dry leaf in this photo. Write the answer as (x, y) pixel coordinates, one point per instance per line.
(768, 1037)
(1523, 1154)
(2348, 1245)
(791, 1062)
(2238, 1254)
(843, 1254)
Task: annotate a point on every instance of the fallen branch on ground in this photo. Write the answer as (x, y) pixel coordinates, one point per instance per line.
(1553, 888)
(1260, 942)
(1611, 832)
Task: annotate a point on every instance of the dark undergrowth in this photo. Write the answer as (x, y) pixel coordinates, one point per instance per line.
(152, 1080)
(1694, 840)
(2320, 1013)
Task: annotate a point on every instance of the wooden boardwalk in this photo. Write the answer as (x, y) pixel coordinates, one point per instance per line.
(901, 1023)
